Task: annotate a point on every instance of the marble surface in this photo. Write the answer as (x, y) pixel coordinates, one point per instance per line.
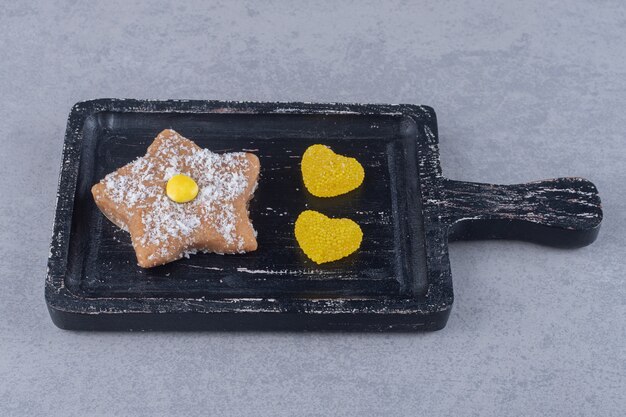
(523, 90)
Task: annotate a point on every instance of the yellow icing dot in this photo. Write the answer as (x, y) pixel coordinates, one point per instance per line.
(327, 174)
(181, 188)
(324, 239)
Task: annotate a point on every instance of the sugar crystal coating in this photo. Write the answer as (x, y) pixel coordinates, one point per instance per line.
(327, 174)
(324, 239)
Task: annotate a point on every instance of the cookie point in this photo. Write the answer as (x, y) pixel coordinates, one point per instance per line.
(181, 188)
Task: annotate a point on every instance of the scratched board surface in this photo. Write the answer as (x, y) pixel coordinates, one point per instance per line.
(102, 261)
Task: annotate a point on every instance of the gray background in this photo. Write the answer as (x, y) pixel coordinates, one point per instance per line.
(523, 92)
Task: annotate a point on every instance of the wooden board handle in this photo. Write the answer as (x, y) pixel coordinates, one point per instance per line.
(563, 212)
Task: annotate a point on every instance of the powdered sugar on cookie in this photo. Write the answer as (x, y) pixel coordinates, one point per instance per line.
(213, 221)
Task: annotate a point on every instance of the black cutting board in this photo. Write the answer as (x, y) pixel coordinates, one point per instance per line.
(398, 280)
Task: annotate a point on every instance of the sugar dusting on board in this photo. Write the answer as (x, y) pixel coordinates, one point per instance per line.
(141, 188)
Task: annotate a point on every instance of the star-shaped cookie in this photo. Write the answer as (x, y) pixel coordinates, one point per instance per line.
(216, 220)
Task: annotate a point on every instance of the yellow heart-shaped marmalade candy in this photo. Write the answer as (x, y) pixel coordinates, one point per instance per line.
(324, 239)
(327, 174)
